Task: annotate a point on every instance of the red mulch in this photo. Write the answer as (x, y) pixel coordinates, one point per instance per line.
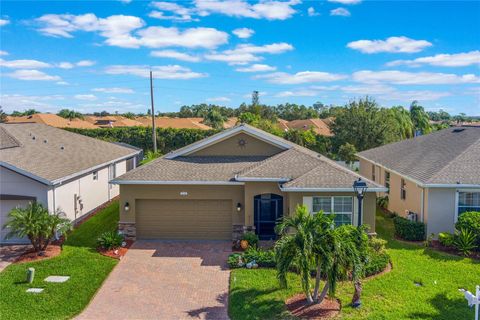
(116, 253)
(436, 245)
(297, 305)
(30, 255)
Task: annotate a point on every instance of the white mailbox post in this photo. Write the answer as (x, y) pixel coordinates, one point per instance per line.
(473, 300)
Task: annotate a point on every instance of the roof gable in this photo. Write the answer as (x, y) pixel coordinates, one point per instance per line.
(270, 139)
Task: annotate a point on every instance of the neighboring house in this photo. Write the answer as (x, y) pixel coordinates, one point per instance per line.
(237, 180)
(112, 121)
(52, 120)
(435, 176)
(318, 125)
(57, 168)
(175, 123)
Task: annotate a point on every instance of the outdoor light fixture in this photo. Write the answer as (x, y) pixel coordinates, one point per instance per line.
(127, 206)
(360, 187)
(239, 207)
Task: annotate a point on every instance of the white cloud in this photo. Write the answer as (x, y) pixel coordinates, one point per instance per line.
(179, 13)
(245, 53)
(125, 1)
(270, 10)
(442, 60)
(392, 45)
(12, 102)
(219, 99)
(340, 12)
(24, 64)
(346, 2)
(418, 78)
(388, 93)
(175, 55)
(85, 63)
(65, 65)
(157, 37)
(3, 53)
(243, 33)
(113, 90)
(301, 77)
(32, 75)
(160, 15)
(62, 83)
(159, 72)
(257, 68)
(4, 22)
(86, 97)
(297, 93)
(311, 12)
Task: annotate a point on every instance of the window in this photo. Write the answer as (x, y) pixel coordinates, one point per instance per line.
(403, 189)
(341, 206)
(468, 201)
(373, 172)
(95, 175)
(387, 180)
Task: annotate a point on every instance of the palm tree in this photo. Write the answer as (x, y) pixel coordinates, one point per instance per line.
(37, 224)
(420, 118)
(405, 124)
(214, 118)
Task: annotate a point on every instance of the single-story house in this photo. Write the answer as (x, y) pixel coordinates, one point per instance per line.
(319, 126)
(436, 176)
(58, 168)
(52, 120)
(237, 180)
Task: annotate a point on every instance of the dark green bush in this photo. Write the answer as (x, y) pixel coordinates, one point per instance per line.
(465, 241)
(264, 258)
(252, 239)
(110, 240)
(409, 230)
(235, 260)
(382, 202)
(446, 239)
(377, 244)
(470, 221)
(377, 262)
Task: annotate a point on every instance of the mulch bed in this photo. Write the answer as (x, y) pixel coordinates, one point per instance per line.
(298, 307)
(436, 245)
(30, 255)
(116, 253)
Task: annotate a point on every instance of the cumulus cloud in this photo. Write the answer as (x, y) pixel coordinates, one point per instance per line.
(24, 64)
(392, 45)
(85, 97)
(3, 53)
(243, 33)
(219, 99)
(175, 55)
(157, 37)
(270, 10)
(340, 12)
(85, 63)
(412, 78)
(442, 60)
(247, 53)
(11, 102)
(311, 12)
(159, 72)
(301, 77)
(4, 22)
(257, 68)
(32, 75)
(178, 12)
(297, 93)
(114, 90)
(346, 2)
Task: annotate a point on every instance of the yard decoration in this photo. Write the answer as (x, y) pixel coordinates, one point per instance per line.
(473, 300)
(37, 224)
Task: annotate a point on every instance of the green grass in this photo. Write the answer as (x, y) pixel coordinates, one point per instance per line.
(254, 294)
(79, 260)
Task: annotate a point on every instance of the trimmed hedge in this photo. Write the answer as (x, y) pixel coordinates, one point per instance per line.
(470, 221)
(409, 230)
(377, 262)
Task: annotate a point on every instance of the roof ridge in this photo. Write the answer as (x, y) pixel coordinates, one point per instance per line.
(453, 159)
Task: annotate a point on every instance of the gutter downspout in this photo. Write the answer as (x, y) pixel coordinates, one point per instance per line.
(422, 204)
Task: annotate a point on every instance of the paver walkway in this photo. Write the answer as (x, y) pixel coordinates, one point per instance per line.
(166, 280)
(8, 254)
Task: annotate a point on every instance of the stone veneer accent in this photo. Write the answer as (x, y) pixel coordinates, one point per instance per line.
(128, 229)
(238, 230)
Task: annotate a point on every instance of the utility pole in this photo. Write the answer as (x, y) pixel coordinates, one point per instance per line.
(154, 131)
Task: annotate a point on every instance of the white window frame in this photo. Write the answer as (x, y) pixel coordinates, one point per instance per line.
(457, 200)
(332, 207)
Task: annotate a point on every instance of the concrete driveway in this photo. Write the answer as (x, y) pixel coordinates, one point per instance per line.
(166, 280)
(10, 253)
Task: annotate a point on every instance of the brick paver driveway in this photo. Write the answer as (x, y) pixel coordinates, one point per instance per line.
(166, 280)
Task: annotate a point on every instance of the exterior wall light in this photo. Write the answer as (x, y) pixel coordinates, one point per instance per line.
(360, 187)
(239, 207)
(127, 206)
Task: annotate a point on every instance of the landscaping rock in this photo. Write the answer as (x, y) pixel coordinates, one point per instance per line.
(57, 279)
(34, 290)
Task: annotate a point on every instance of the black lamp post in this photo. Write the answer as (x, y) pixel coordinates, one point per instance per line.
(360, 187)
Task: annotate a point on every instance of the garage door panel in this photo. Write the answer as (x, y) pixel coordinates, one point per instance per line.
(184, 219)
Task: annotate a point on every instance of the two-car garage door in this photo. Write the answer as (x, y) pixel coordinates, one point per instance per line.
(184, 219)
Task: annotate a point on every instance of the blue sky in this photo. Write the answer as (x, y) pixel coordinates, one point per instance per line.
(95, 55)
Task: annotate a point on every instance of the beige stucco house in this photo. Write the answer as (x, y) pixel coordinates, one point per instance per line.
(237, 180)
(436, 176)
(57, 168)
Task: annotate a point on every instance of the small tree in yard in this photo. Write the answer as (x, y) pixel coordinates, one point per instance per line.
(37, 224)
(347, 153)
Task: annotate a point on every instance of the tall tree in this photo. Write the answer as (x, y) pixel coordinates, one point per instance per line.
(70, 114)
(420, 119)
(214, 118)
(364, 124)
(347, 153)
(404, 122)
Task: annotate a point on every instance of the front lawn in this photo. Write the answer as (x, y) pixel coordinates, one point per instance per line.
(255, 294)
(79, 260)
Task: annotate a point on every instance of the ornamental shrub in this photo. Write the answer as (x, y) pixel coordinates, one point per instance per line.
(446, 239)
(376, 263)
(470, 221)
(264, 258)
(409, 230)
(464, 241)
(251, 238)
(110, 240)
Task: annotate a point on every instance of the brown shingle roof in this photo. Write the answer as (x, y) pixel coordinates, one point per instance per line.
(175, 123)
(52, 120)
(448, 156)
(52, 154)
(318, 125)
